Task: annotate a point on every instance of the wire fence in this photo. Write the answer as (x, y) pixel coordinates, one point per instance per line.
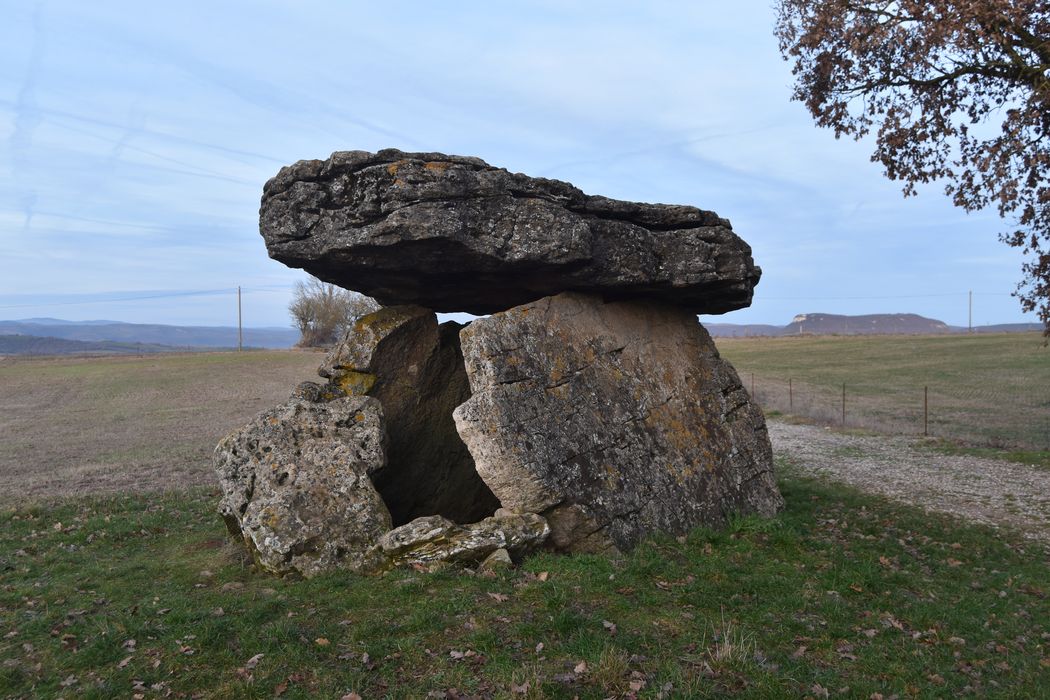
(977, 414)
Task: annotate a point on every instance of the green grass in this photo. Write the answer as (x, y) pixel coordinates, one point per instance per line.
(1040, 459)
(984, 390)
(127, 595)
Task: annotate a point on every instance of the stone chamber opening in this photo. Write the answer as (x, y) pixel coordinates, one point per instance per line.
(420, 378)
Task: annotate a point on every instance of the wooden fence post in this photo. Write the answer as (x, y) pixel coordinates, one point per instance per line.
(844, 404)
(926, 411)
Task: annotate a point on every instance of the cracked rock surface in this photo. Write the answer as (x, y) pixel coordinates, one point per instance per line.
(612, 420)
(432, 539)
(400, 356)
(296, 485)
(453, 233)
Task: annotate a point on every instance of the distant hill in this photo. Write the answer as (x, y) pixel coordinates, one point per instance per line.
(151, 334)
(896, 324)
(60, 322)
(37, 345)
(837, 324)
(1005, 328)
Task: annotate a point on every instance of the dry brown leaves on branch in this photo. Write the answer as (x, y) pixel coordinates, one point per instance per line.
(954, 91)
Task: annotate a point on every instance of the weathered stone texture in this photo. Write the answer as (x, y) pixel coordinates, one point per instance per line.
(456, 234)
(614, 420)
(432, 539)
(296, 485)
(413, 367)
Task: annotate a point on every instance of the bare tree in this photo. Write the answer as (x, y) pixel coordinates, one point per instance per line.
(956, 91)
(322, 311)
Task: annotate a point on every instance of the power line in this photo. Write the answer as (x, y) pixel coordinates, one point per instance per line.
(203, 292)
(891, 296)
(289, 287)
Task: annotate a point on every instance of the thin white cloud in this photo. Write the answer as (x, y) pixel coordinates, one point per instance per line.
(142, 135)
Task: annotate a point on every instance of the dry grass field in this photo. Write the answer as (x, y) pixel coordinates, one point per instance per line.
(105, 424)
(80, 425)
(987, 390)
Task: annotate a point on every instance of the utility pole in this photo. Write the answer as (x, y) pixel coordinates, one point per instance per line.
(969, 323)
(240, 331)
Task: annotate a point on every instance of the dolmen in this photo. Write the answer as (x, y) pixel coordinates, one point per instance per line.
(586, 409)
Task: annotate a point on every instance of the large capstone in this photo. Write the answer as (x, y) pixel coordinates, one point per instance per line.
(296, 488)
(455, 234)
(613, 420)
(400, 356)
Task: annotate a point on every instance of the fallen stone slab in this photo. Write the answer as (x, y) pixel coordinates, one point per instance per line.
(453, 233)
(612, 420)
(436, 539)
(296, 487)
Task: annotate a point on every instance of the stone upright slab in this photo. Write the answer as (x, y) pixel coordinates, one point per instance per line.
(296, 486)
(612, 420)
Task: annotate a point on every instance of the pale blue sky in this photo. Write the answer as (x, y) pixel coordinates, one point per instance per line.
(135, 139)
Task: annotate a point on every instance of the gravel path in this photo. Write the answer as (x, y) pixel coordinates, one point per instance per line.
(989, 491)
